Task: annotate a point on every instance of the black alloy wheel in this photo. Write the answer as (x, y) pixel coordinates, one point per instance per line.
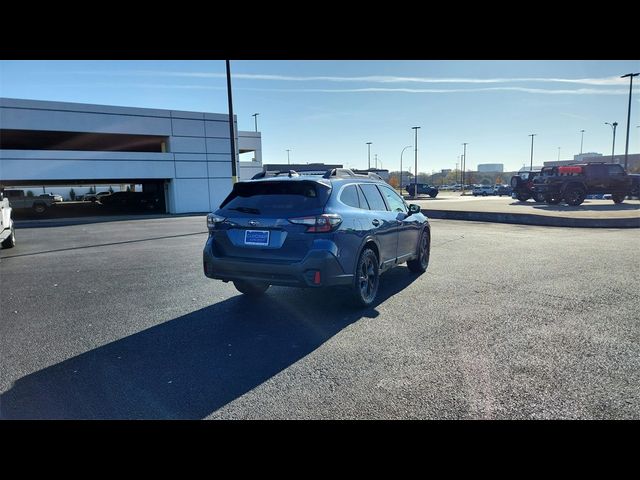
(574, 195)
(420, 264)
(367, 278)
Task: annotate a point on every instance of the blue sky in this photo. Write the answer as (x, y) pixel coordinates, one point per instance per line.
(326, 111)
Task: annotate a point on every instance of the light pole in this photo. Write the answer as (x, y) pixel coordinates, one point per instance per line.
(613, 148)
(288, 161)
(533, 135)
(415, 190)
(376, 161)
(626, 148)
(464, 165)
(255, 118)
(408, 146)
(558, 153)
(581, 141)
(369, 156)
(232, 134)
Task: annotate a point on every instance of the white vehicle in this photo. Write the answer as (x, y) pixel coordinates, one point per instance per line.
(7, 231)
(483, 190)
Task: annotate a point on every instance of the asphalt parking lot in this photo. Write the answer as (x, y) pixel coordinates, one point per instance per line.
(116, 320)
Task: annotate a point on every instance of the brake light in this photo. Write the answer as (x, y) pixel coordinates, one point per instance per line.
(319, 223)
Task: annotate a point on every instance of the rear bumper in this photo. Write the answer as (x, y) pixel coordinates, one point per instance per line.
(298, 274)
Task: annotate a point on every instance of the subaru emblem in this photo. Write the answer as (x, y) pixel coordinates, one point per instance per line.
(253, 223)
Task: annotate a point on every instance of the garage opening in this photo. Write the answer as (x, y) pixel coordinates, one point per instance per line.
(78, 198)
(82, 141)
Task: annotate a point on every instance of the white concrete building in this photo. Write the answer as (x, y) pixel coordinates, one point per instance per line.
(491, 167)
(187, 154)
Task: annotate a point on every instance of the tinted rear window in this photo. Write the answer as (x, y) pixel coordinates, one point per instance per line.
(276, 198)
(349, 196)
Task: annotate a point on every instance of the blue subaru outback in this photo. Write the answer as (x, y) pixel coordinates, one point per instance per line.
(322, 230)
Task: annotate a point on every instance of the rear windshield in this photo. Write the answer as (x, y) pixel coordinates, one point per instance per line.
(276, 198)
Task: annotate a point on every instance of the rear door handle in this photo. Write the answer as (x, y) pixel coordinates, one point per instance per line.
(375, 222)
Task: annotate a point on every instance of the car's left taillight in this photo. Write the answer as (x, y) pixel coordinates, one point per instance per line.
(213, 220)
(319, 223)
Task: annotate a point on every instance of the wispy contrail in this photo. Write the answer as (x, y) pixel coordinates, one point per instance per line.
(613, 80)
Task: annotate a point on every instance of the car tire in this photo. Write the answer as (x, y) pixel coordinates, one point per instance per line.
(252, 289)
(39, 208)
(522, 197)
(420, 264)
(538, 197)
(574, 195)
(552, 200)
(10, 241)
(366, 279)
(433, 195)
(618, 197)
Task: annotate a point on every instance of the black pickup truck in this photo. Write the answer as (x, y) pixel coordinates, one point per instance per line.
(572, 183)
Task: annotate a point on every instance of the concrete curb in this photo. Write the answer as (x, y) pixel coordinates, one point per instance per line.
(63, 222)
(531, 219)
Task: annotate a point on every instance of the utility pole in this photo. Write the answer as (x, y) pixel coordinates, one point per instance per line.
(464, 166)
(369, 156)
(533, 135)
(626, 149)
(415, 191)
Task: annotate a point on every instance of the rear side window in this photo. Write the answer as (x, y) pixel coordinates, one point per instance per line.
(615, 169)
(276, 198)
(349, 196)
(373, 196)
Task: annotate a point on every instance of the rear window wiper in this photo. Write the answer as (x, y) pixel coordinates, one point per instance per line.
(246, 210)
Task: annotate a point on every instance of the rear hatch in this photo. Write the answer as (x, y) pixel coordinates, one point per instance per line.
(256, 224)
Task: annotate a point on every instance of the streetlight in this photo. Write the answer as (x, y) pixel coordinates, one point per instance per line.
(255, 118)
(626, 149)
(533, 135)
(288, 161)
(464, 165)
(376, 161)
(369, 156)
(232, 134)
(613, 148)
(558, 153)
(581, 140)
(415, 190)
(408, 146)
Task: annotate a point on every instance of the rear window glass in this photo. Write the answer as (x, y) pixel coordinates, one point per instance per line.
(349, 196)
(282, 198)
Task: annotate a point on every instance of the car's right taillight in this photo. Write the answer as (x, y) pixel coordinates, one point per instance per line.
(319, 223)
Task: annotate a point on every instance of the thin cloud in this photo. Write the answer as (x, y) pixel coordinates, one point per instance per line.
(604, 81)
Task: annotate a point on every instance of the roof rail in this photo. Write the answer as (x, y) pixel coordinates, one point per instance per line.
(290, 173)
(339, 172)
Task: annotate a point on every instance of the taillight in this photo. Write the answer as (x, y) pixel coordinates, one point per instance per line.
(213, 220)
(319, 223)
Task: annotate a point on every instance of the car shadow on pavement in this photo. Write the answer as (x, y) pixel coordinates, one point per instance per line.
(583, 207)
(191, 366)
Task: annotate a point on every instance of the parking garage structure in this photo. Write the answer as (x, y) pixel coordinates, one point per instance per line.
(185, 157)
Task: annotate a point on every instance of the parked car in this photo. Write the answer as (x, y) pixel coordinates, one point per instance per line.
(522, 186)
(483, 190)
(133, 200)
(7, 229)
(501, 190)
(53, 197)
(572, 183)
(423, 188)
(19, 200)
(336, 229)
(635, 185)
(94, 197)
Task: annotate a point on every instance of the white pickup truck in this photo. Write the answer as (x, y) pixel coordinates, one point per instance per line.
(7, 231)
(19, 200)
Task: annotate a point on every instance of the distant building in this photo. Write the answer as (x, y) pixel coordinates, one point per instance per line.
(446, 171)
(491, 167)
(581, 157)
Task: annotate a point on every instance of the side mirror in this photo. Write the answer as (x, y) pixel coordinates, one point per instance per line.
(413, 208)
